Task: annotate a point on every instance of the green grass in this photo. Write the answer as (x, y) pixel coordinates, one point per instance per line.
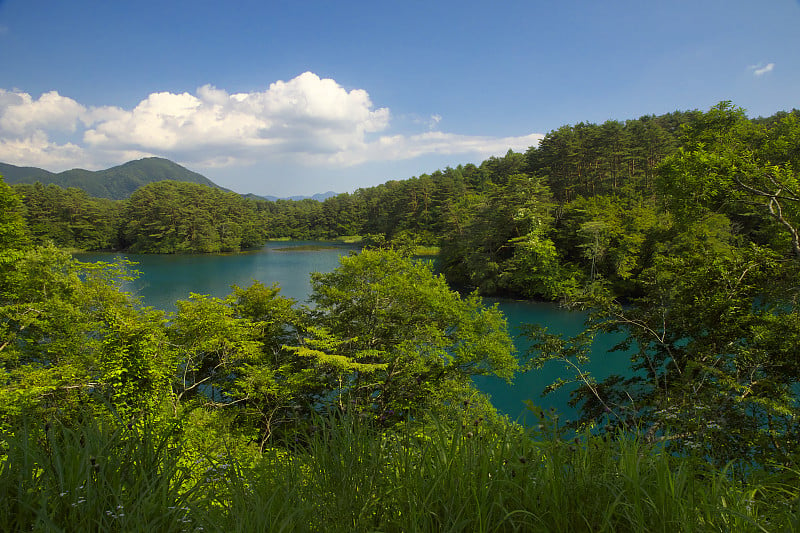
(349, 239)
(347, 476)
(426, 250)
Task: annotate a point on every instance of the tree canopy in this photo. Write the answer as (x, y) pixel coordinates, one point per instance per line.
(713, 327)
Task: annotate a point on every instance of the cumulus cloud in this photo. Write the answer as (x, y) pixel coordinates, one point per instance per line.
(37, 150)
(760, 70)
(306, 120)
(397, 147)
(21, 114)
(306, 115)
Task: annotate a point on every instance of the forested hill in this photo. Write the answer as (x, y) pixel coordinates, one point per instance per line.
(116, 183)
(591, 204)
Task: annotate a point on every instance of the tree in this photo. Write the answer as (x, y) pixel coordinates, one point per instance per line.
(181, 217)
(391, 336)
(13, 230)
(713, 332)
(68, 334)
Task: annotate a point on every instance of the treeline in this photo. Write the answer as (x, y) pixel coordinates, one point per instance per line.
(161, 217)
(573, 161)
(587, 205)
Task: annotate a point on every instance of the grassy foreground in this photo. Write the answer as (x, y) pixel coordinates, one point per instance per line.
(104, 475)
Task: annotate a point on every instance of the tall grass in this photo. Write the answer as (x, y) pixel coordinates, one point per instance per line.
(99, 476)
(348, 475)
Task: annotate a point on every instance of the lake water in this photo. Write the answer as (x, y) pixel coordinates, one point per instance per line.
(164, 279)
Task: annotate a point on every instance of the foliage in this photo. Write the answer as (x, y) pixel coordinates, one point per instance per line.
(105, 475)
(12, 224)
(99, 475)
(62, 323)
(68, 333)
(394, 333)
(70, 217)
(713, 324)
(358, 413)
(178, 217)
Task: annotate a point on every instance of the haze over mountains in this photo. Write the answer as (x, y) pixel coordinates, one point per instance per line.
(118, 183)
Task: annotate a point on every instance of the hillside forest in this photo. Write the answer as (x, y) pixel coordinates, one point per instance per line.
(678, 232)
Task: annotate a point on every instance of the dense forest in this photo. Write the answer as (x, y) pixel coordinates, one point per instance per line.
(680, 232)
(586, 204)
(115, 183)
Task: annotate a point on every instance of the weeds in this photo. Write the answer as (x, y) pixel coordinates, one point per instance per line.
(349, 475)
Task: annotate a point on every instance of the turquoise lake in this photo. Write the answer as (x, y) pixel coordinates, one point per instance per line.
(164, 279)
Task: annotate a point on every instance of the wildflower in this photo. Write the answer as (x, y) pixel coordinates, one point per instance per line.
(80, 501)
(469, 434)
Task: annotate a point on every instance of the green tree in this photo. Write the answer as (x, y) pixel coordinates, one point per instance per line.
(713, 331)
(67, 332)
(13, 230)
(180, 217)
(398, 337)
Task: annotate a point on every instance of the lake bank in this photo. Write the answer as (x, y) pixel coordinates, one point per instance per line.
(164, 279)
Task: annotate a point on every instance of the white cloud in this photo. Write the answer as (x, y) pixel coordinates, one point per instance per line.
(760, 70)
(397, 147)
(21, 114)
(37, 150)
(306, 115)
(307, 120)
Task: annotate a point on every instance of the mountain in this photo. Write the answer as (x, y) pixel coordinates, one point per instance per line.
(116, 183)
(319, 197)
(12, 174)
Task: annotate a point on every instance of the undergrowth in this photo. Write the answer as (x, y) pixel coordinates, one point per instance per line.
(345, 474)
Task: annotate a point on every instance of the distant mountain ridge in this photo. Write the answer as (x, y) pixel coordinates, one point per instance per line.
(116, 183)
(319, 197)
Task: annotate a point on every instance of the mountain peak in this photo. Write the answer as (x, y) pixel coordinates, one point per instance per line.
(116, 183)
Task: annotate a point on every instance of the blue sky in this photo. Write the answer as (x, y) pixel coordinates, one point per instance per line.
(298, 97)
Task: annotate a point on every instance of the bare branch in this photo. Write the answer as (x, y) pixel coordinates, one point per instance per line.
(774, 207)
